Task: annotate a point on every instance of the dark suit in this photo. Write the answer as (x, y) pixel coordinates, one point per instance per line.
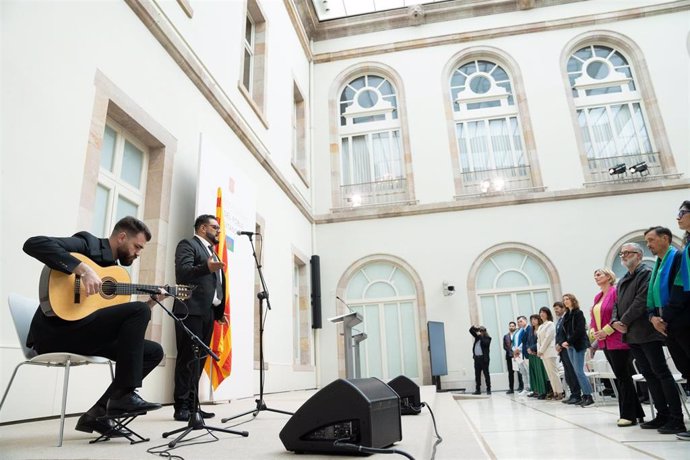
(568, 369)
(481, 362)
(115, 332)
(191, 268)
(508, 347)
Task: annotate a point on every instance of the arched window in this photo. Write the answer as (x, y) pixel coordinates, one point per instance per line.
(509, 283)
(490, 146)
(386, 297)
(371, 160)
(610, 113)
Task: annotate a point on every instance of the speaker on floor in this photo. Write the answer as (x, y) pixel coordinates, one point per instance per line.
(408, 391)
(315, 263)
(364, 412)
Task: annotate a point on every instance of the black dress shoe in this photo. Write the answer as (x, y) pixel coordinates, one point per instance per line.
(654, 424)
(672, 427)
(510, 392)
(88, 423)
(205, 414)
(182, 415)
(129, 403)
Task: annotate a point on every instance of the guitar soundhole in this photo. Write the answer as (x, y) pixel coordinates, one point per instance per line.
(109, 288)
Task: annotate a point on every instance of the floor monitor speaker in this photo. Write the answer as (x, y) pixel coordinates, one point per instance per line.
(410, 402)
(364, 412)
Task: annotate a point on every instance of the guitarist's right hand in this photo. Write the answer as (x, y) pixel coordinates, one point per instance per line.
(89, 279)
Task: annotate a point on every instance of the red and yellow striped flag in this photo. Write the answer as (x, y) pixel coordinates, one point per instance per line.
(221, 342)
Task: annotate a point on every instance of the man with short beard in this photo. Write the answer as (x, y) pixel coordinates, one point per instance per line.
(116, 332)
(508, 348)
(630, 318)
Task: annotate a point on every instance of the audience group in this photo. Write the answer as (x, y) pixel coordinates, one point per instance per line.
(630, 322)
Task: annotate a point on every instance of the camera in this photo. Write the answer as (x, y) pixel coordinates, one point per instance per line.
(448, 289)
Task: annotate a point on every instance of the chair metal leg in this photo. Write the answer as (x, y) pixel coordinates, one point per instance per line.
(64, 402)
(9, 385)
(112, 370)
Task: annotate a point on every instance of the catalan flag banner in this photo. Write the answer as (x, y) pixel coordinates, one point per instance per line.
(221, 340)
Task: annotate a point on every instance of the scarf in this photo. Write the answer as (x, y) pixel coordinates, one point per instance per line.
(685, 268)
(659, 283)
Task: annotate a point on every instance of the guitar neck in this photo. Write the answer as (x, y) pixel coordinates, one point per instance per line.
(131, 288)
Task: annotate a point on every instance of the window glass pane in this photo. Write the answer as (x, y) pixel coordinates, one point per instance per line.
(642, 129)
(461, 134)
(499, 74)
(357, 83)
(541, 299)
(457, 79)
(248, 29)
(361, 167)
(125, 208)
(468, 69)
(602, 51)
(478, 146)
(505, 311)
(486, 275)
(625, 130)
(509, 259)
(500, 143)
(374, 81)
(584, 53)
(409, 342)
(345, 161)
(535, 272)
(100, 211)
(574, 65)
(247, 70)
(380, 289)
(490, 321)
(108, 148)
(524, 304)
(617, 59)
(385, 88)
(373, 342)
(393, 348)
(584, 130)
(604, 145)
(511, 279)
(356, 286)
(132, 165)
(378, 271)
(517, 142)
(403, 283)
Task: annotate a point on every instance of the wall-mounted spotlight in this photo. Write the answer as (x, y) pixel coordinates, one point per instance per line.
(497, 184)
(618, 169)
(448, 289)
(639, 168)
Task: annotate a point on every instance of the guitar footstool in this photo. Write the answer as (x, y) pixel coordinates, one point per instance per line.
(120, 424)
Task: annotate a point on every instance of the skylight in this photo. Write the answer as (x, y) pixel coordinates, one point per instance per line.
(333, 9)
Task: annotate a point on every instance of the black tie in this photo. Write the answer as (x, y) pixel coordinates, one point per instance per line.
(219, 282)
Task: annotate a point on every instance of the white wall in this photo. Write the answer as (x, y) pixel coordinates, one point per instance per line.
(51, 53)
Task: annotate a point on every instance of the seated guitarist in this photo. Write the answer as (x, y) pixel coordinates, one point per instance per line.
(115, 332)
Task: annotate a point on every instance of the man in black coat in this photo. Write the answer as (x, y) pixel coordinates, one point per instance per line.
(646, 344)
(196, 264)
(508, 348)
(116, 332)
(480, 352)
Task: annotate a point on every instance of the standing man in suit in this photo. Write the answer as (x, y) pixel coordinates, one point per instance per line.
(196, 264)
(480, 351)
(116, 332)
(508, 348)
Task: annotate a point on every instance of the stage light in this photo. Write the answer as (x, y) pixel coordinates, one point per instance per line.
(618, 169)
(639, 168)
(484, 186)
(356, 200)
(498, 184)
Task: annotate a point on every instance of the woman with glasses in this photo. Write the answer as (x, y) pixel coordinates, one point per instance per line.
(577, 343)
(617, 353)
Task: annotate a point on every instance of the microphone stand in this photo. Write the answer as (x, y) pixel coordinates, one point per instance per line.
(196, 421)
(262, 296)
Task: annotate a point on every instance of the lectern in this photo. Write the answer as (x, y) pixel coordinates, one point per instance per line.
(357, 338)
(349, 320)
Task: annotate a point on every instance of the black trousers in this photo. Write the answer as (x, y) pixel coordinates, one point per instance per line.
(511, 375)
(186, 380)
(678, 343)
(629, 406)
(570, 376)
(651, 363)
(481, 364)
(116, 333)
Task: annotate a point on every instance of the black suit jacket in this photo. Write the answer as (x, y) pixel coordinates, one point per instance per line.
(191, 268)
(55, 253)
(485, 342)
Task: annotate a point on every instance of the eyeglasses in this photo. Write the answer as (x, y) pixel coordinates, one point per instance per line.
(683, 212)
(627, 253)
(215, 227)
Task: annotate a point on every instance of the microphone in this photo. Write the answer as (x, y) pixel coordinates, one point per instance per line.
(345, 303)
(151, 291)
(240, 232)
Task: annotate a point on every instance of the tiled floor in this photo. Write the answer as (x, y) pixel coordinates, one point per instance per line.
(500, 426)
(519, 427)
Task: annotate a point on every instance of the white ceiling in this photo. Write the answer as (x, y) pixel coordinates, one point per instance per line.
(332, 9)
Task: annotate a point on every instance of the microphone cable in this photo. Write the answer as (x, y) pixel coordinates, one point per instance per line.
(370, 450)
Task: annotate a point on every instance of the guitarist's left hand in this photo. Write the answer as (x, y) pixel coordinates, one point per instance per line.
(162, 295)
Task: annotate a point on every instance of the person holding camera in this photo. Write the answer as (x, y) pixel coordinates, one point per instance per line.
(480, 352)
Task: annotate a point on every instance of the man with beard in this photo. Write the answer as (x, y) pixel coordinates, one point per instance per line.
(196, 264)
(508, 348)
(646, 344)
(116, 332)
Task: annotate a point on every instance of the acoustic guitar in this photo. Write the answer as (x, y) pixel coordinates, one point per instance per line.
(64, 296)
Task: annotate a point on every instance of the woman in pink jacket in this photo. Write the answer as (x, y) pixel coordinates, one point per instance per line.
(617, 352)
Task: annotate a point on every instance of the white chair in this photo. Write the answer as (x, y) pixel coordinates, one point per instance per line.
(678, 377)
(22, 310)
(638, 377)
(602, 370)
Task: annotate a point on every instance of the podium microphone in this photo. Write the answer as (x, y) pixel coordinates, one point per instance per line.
(250, 234)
